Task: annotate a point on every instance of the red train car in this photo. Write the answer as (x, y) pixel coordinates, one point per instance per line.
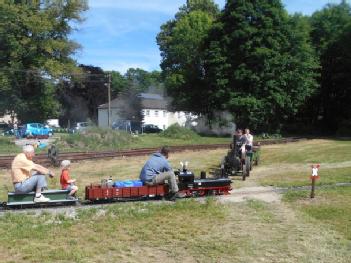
(187, 184)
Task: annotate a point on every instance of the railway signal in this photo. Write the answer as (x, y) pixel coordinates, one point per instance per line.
(314, 176)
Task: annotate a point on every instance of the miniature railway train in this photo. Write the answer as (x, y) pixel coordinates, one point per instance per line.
(108, 191)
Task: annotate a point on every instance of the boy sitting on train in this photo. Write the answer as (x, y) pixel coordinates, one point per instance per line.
(157, 170)
(65, 180)
(28, 176)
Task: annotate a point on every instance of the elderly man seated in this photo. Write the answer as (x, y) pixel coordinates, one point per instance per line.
(28, 176)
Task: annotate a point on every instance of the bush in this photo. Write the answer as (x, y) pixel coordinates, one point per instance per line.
(176, 132)
(96, 139)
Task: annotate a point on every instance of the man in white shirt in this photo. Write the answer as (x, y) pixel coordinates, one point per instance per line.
(249, 139)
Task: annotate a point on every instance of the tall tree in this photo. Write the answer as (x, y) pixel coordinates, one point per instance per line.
(181, 42)
(34, 47)
(81, 96)
(260, 64)
(330, 30)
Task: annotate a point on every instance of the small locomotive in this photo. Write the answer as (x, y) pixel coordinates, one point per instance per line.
(239, 162)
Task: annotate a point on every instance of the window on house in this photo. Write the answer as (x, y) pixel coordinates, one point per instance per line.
(178, 114)
(164, 113)
(147, 113)
(156, 113)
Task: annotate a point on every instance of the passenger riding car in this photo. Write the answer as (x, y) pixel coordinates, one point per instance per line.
(35, 130)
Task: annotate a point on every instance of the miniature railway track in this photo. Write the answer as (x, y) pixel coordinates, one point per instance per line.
(5, 160)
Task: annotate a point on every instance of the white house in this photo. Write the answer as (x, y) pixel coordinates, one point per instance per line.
(154, 109)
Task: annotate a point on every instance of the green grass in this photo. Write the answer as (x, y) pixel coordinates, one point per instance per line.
(330, 207)
(119, 231)
(7, 145)
(311, 151)
(97, 139)
(302, 177)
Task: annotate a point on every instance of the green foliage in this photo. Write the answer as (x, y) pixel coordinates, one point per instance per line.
(142, 80)
(118, 83)
(329, 107)
(81, 95)
(176, 132)
(263, 66)
(181, 43)
(252, 60)
(34, 45)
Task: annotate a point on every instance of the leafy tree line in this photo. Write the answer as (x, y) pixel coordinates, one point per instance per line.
(271, 70)
(34, 47)
(81, 95)
(39, 79)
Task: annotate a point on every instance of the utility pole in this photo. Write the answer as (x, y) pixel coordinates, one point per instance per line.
(109, 100)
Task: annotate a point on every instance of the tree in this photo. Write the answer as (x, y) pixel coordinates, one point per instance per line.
(330, 35)
(82, 95)
(118, 83)
(34, 47)
(260, 64)
(141, 79)
(181, 42)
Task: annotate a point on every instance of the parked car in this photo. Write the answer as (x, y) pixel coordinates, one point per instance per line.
(151, 128)
(34, 130)
(79, 127)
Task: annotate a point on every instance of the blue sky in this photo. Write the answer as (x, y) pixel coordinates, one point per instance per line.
(120, 34)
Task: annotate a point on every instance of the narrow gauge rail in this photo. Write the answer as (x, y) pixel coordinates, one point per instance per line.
(5, 160)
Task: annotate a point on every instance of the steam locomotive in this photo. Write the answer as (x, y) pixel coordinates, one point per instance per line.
(129, 190)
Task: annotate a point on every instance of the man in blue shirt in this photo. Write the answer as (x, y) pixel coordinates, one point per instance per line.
(157, 170)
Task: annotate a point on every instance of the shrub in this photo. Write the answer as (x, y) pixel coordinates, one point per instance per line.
(96, 139)
(176, 132)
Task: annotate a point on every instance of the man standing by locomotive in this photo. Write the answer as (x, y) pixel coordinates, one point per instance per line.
(249, 139)
(28, 176)
(157, 170)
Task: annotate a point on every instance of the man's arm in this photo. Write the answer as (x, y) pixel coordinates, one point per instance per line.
(42, 169)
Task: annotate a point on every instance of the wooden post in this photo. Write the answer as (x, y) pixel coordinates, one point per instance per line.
(314, 177)
(313, 186)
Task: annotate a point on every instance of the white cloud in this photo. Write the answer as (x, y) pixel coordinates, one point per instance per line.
(162, 6)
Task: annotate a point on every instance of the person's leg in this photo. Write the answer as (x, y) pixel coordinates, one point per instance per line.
(41, 183)
(170, 177)
(34, 183)
(74, 189)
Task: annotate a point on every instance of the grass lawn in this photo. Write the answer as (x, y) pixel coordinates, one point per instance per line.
(297, 229)
(290, 164)
(98, 142)
(7, 145)
(330, 207)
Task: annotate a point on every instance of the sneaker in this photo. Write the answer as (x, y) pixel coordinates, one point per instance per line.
(41, 199)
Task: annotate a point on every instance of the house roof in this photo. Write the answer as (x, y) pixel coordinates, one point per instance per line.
(148, 101)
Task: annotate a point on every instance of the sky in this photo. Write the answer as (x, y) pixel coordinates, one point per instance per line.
(121, 34)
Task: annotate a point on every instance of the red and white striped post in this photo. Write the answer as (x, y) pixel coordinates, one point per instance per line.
(314, 176)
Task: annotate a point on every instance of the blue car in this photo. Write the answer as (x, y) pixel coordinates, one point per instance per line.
(35, 130)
